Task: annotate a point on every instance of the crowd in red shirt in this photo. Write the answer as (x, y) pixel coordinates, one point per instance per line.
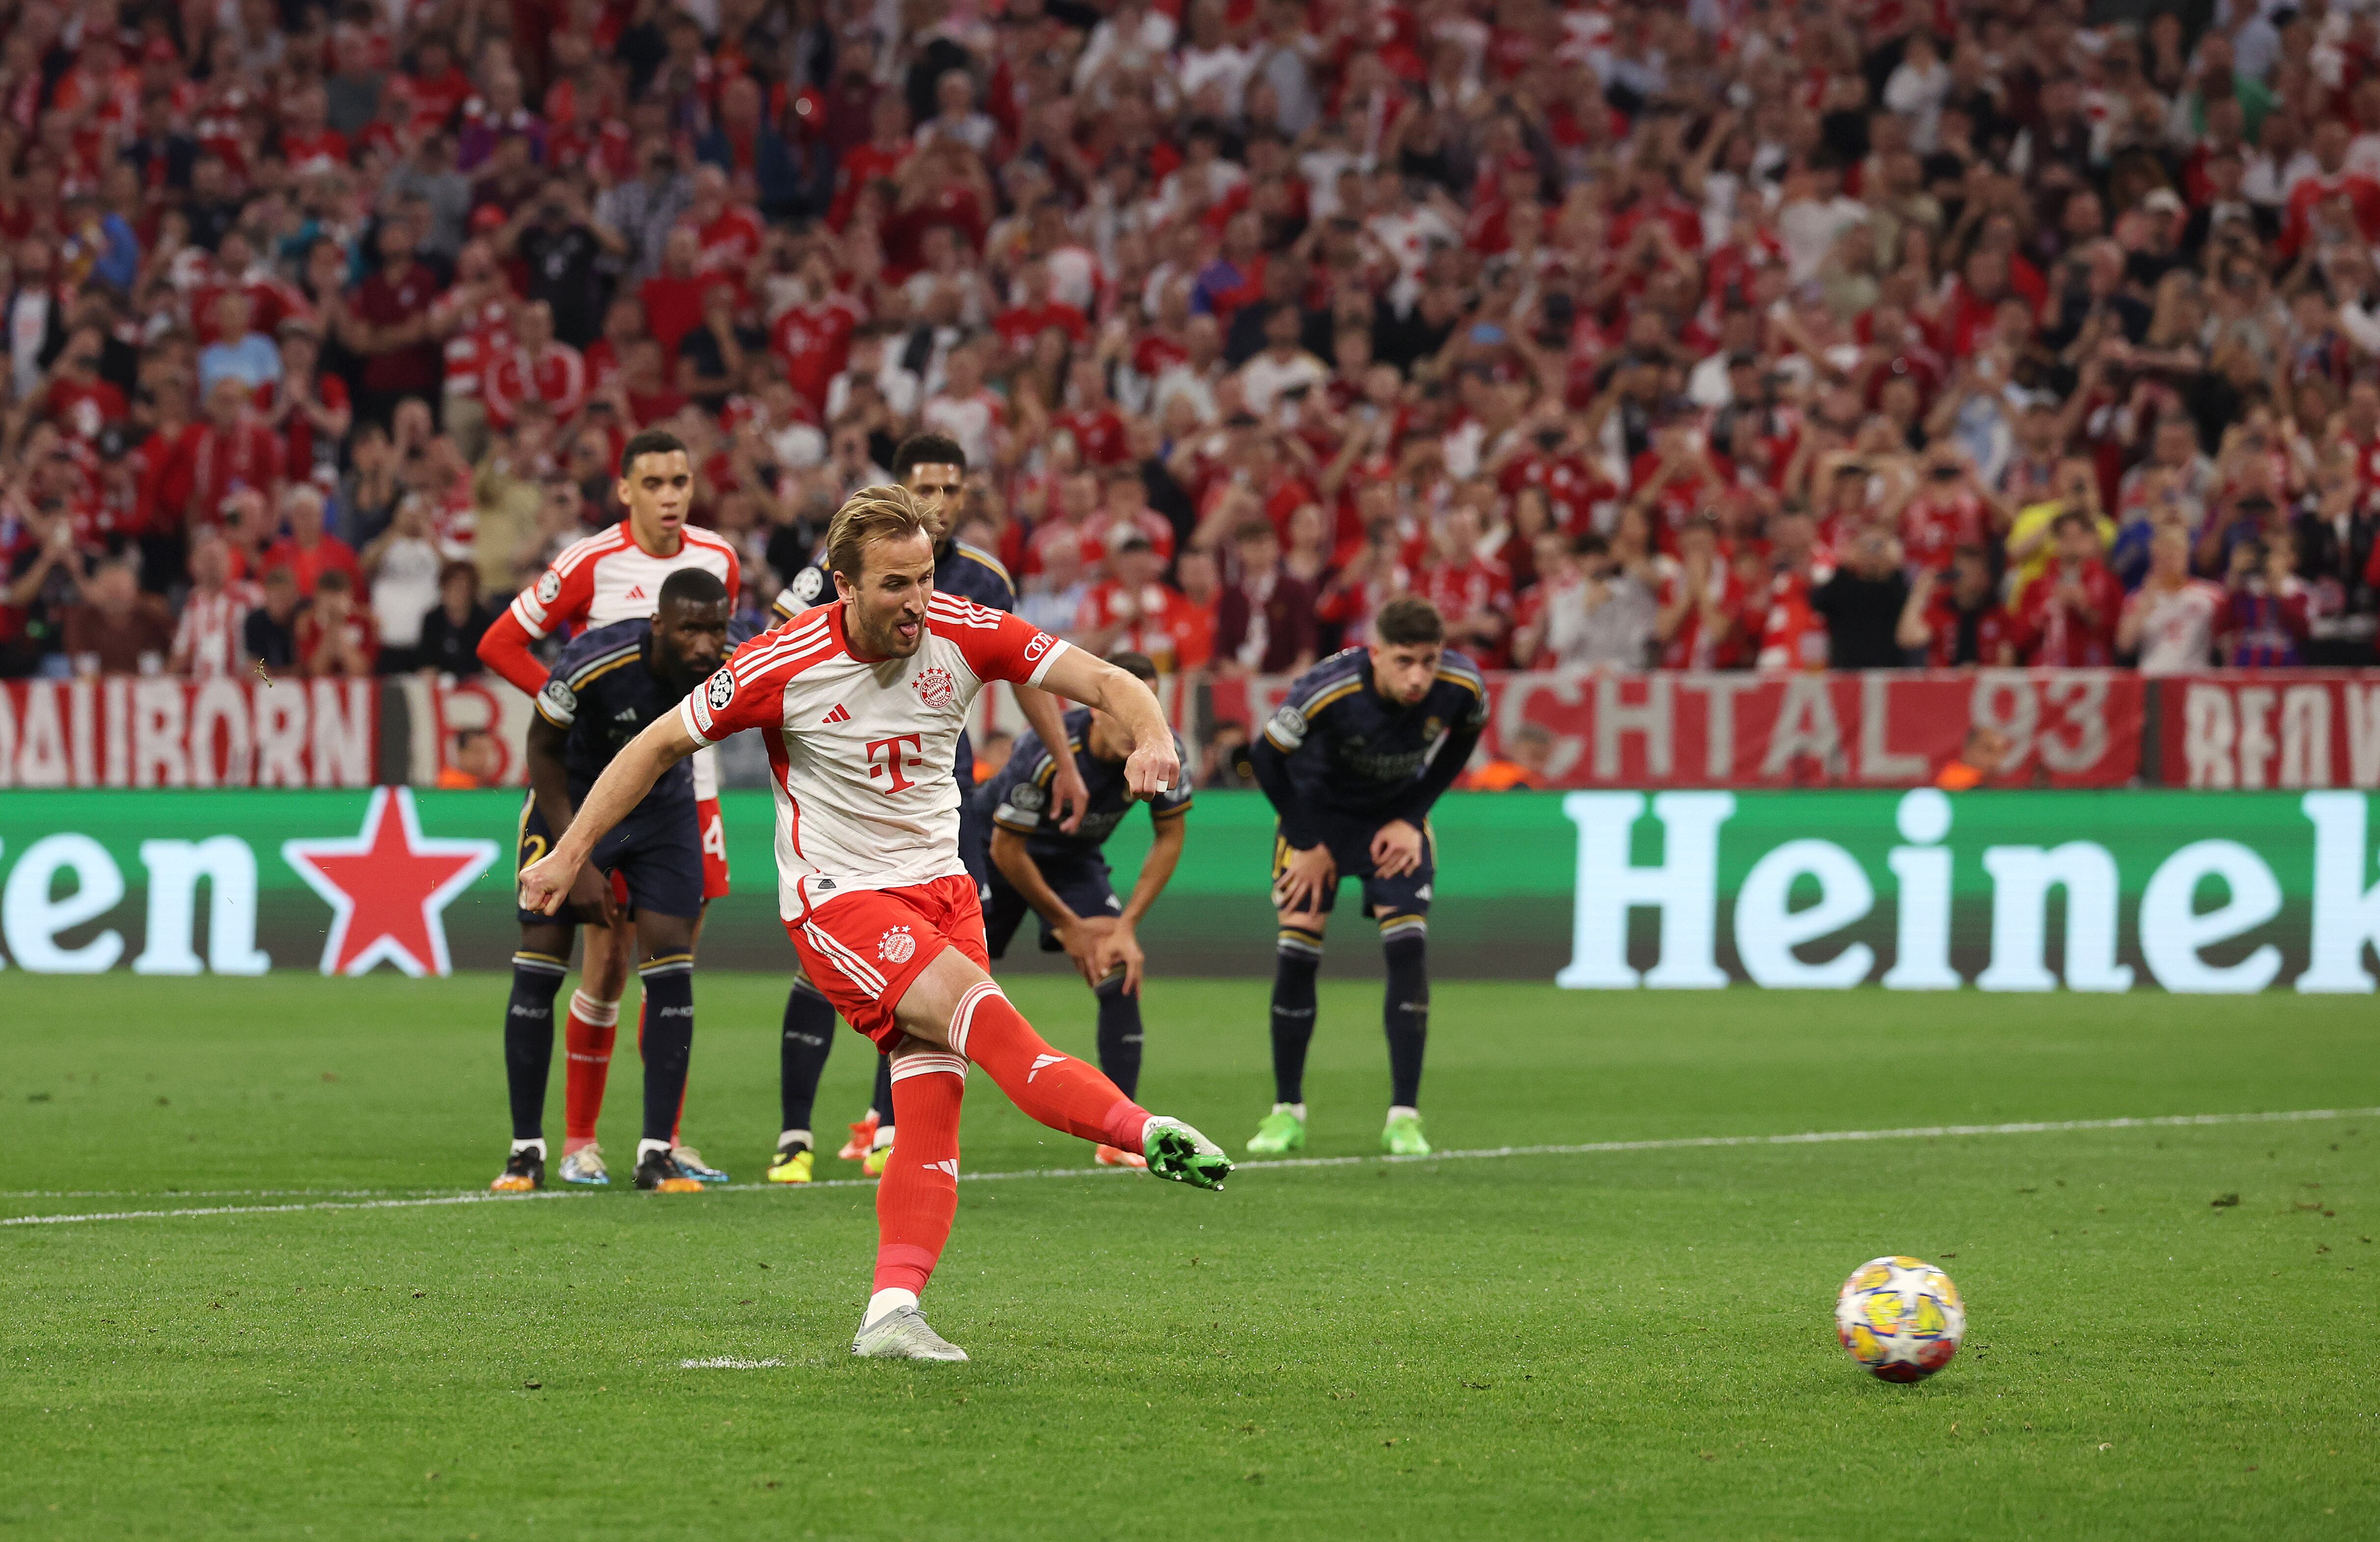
(1724, 336)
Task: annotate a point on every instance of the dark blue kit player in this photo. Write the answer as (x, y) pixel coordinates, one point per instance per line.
(934, 468)
(1358, 753)
(1062, 877)
(610, 682)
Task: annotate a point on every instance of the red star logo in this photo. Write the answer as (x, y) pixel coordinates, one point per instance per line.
(388, 887)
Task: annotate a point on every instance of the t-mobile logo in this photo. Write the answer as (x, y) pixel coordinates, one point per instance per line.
(884, 757)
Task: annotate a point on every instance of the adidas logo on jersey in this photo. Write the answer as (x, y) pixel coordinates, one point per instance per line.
(948, 1164)
(1040, 1064)
(840, 715)
(638, 593)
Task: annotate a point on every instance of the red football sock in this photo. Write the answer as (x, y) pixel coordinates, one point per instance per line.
(1059, 1089)
(919, 1191)
(586, 1037)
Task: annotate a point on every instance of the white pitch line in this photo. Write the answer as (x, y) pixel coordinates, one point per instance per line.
(1585, 1148)
(728, 1362)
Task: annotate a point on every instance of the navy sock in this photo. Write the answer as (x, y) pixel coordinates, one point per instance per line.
(1118, 1034)
(528, 1039)
(880, 1100)
(801, 1055)
(1405, 1013)
(668, 1039)
(1293, 968)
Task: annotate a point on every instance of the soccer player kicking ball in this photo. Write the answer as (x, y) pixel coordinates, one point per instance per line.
(1060, 874)
(934, 468)
(608, 685)
(862, 701)
(1353, 761)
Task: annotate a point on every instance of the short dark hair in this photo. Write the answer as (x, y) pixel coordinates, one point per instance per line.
(926, 449)
(1407, 620)
(1140, 666)
(652, 441)
(693, 586)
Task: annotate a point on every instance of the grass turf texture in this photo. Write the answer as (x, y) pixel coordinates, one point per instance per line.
(1632, 1344)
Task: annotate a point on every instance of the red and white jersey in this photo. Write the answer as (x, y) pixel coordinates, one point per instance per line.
(861, 750)
(609, 578)
(484, 337)
(557, 377)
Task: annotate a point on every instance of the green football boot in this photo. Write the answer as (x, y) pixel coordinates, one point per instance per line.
(1282, 1132)
(1404, 1137)
(1180, 1152)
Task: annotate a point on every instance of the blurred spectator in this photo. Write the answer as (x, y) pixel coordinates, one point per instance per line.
(474, 760)
(1862, 603)
(449, 635)
(209, 639)
(116, 629)
(404, 565)
(1265, 621)
(335, 634)
(1524, 764)
(270, 633)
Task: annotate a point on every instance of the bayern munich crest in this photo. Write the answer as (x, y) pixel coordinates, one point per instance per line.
(937, 688)
(896, 947)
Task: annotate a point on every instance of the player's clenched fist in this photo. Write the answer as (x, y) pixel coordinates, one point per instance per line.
(1152, 769)
(545, 883)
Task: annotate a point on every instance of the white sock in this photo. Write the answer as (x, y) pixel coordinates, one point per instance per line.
(1297, 1108)
(594, 1013)
(535, 1144)
(643, 1146)
(1398, 1110)
(798, 1137)
(889, 1299)
(883, 1137)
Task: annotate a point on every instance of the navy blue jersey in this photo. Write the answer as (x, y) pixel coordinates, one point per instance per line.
(1018, 798)
(1337, 746)
(967, 571)
(603, 691)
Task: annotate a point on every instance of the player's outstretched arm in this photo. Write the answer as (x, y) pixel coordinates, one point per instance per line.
(1153, 767)
(622, 785)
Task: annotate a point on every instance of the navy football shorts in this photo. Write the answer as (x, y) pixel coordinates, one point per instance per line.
(656, 852)
(1349, 837)
(1083, 882)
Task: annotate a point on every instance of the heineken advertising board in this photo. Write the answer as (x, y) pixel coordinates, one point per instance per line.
(1814, 889)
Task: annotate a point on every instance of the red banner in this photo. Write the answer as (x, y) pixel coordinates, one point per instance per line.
(2269, 727)
(153, 731)
(1883, 728)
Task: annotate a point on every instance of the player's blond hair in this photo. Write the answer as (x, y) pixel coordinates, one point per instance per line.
(870, 515)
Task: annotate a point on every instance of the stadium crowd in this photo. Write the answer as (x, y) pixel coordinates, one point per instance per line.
(1731, 335)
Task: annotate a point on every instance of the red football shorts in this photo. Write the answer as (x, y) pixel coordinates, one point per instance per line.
(714, 848)
(863, 949)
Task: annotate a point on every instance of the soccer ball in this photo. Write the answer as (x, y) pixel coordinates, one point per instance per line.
(1899, 1317)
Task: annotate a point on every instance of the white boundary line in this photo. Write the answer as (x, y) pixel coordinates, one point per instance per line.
(1588, 1148)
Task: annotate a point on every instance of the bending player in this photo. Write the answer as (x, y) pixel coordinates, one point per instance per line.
(610, 683)
(861, 702)
(1353, 761)
(934, 468)
(608, 578)
(1061, 876)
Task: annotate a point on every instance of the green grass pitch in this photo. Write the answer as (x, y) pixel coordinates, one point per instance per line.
(1629, 1343)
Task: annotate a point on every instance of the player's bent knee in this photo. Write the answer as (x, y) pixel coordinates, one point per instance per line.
(930, 1005)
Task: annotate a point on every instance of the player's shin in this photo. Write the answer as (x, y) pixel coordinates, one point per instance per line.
(1297, 958)
(1058, 1089)
(1120, 1032)
(1405, 1013)
(802, 1056)
(668, 982)
(919, 1192)
(586, 1037)
(529, 1040)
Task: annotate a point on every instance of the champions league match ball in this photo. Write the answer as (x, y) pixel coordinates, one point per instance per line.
(1901, 1318)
